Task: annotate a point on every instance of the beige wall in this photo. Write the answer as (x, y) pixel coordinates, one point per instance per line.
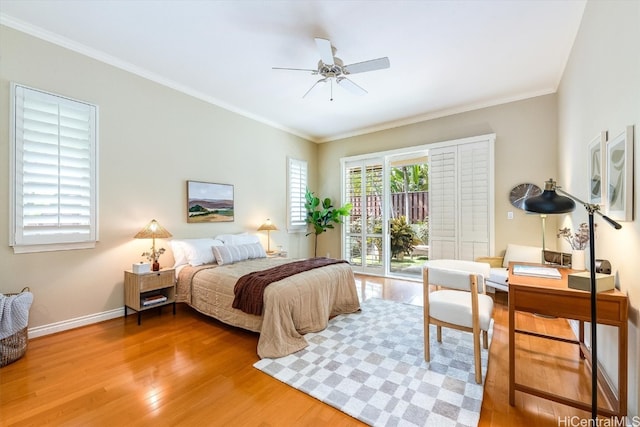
(152, 140)
(600, 90)
(525, 151)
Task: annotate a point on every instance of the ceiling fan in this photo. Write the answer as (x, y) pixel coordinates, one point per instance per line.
(332, 68)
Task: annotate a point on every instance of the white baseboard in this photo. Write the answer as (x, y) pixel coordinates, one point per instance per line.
(65, 325)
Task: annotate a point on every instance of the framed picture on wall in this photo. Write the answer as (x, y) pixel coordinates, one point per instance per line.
(209, 202)
(596, 168)
(620, 176)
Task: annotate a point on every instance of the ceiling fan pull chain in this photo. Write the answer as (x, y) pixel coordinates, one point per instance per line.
(331, 99)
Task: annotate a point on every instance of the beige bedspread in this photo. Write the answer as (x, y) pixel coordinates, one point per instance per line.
(292, 307)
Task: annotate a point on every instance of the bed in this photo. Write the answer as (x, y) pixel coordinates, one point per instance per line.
(293, 306)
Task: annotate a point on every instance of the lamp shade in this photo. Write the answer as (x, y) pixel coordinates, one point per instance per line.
(153, 230)
(549, 202)
(267, 226)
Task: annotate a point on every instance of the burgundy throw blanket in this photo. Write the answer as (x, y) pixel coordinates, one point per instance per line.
(249, 290)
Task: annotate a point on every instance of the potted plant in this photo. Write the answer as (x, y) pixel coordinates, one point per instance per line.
(322, 215)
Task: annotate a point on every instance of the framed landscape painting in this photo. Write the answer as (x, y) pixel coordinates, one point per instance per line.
(620, 176)
(209, 202)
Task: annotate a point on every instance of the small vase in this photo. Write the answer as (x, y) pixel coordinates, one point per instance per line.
(156, 265)
(577, 259)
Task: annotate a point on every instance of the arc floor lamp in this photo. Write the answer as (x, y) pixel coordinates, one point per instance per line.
(550, 202)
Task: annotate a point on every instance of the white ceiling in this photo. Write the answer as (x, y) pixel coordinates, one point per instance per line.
(446, 56)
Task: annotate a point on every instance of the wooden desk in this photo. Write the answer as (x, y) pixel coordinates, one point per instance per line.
(554, 298)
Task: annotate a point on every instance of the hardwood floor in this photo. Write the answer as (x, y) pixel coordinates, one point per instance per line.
(191, 370)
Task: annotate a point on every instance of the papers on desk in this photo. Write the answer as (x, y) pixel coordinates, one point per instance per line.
(534, 271)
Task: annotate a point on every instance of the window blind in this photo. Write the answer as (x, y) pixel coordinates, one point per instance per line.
(54, 185)
(297, 180)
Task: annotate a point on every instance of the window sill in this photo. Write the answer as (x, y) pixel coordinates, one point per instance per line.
(26, 249)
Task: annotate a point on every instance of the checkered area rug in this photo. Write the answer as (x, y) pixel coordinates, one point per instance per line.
(371, 366)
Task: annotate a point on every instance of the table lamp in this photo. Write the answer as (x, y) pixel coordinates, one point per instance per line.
(268, 227)
(550, 202)
(151, 231)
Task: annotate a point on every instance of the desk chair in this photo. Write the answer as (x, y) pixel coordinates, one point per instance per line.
(463, 305)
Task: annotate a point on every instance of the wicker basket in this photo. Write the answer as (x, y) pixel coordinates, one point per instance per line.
(14, 346)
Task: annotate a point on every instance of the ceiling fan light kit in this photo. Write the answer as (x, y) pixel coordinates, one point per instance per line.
(331, 68)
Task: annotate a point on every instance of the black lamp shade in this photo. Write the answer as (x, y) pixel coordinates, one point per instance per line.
(549, 202)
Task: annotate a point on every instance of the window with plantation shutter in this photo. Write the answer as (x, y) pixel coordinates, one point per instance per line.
(296, 189)
(53, 159)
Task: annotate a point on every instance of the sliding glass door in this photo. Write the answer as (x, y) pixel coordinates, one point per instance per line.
(408, 209)
(387, 231)
(410, 205)
(363, 242)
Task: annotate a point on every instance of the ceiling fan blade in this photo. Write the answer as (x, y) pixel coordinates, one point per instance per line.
(295, 69)
(314, 85)
(371, 65)
(351, 86)
(325, 50)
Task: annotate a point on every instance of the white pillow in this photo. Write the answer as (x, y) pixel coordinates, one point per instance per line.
(227, 239)
(194, 252)
(256, 250)
(238, 239)
(225, 254)
(228, 254)
(178, 253)
(245, 239)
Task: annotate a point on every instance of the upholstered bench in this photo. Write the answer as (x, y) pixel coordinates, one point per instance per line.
(499, 276)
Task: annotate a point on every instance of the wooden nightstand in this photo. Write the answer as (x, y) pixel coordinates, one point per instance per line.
(149, 290)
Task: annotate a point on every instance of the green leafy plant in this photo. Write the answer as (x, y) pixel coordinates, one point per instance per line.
(403, 238)
(322, 215)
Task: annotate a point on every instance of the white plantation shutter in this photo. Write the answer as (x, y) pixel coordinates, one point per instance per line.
(54, 165)
(461, 200)
(474, 200)
(297, 186)
(442, 202)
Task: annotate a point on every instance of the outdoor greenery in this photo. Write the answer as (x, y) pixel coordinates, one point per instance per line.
(405, 263)
(410, 178)
(403, 238)
(422, 231)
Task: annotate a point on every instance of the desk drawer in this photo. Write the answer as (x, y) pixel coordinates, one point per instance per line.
(571, 304)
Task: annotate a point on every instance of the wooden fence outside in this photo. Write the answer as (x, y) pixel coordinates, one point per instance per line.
(418, 203)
